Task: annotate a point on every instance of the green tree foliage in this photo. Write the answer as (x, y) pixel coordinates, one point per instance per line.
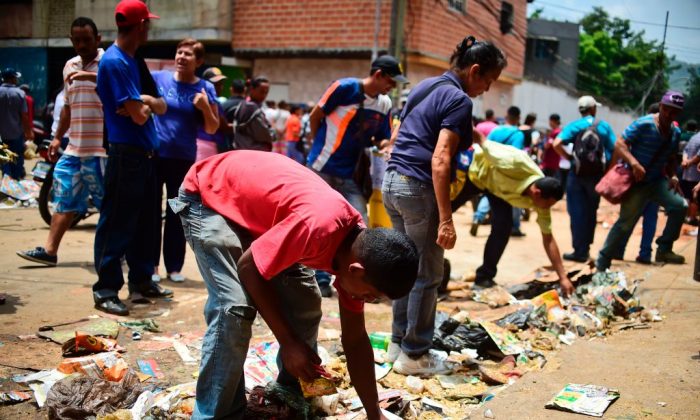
(617, 63)
(691, 111)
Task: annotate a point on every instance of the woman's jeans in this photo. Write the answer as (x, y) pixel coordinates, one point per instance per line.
(412, 207)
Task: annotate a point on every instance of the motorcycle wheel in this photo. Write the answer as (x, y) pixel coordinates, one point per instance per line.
(46, 198)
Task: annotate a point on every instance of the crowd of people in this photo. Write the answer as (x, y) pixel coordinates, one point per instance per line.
(272, 222)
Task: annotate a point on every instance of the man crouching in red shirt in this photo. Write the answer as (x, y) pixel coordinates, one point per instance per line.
(256, 221)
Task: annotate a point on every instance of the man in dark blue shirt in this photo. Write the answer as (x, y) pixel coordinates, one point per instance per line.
(129, 216)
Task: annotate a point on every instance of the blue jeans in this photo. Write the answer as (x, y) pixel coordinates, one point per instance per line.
(15, 170)
(412, 207)
(128, 218)
(516, 214)
(171, 173)
(347, 187)
(229, 312)
(293, 151)
(582, 203)
(631, 209)
(650, 217)
(482, 210)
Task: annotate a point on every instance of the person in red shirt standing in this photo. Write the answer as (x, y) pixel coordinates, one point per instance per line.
(253, 241)
(30, 102)
(550, 157)
(295, 146)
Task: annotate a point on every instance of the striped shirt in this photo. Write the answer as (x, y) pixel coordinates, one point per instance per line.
(87, 118)
(644, 140)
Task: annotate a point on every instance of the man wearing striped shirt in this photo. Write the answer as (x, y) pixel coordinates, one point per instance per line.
(78, 172)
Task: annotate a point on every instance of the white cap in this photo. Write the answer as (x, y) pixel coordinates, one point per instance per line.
(585, 102)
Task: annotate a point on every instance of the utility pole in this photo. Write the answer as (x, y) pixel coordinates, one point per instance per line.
(641, 107)
(377, 25)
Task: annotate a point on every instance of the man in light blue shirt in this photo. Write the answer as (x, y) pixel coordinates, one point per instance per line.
(581, 198)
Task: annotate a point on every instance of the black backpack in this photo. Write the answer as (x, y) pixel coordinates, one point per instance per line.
(589, 152)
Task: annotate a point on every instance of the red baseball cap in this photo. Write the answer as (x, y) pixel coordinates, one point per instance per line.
(132, 12)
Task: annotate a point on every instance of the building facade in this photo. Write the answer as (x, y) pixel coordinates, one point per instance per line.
(551, 54)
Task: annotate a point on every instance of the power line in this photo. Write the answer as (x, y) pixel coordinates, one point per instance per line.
(641, 22)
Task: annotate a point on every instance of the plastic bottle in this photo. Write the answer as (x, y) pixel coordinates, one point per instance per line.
(380, 340)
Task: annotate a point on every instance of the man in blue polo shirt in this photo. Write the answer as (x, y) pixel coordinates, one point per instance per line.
(649, 147)
(350, 114)
(581, 198)
(129, 215)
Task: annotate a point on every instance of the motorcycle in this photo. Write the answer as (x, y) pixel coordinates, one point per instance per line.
(43, 174)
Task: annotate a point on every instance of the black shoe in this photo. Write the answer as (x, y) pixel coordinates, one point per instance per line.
(484, 284)
(618, 257)
(326, 290)
(570, 256)
(39, 255)
(112, 306)
(154, 290)
(517, 233)
(642, 260)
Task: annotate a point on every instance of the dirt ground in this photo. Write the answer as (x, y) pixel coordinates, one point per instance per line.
(648, 367)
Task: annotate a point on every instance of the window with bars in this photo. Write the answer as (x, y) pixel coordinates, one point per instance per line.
(458, 5)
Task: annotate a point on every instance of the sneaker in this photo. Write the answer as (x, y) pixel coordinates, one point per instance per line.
(155, 277)
(643, 260)
(153, 290)
(39, 255)
(669, 257)
(570, 256)
(112, 306)
(326, 290)
(517, 233)
(392, 353)
(176, 277)
(474, 228)
(427, 365)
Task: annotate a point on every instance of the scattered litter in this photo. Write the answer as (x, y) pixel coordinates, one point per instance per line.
(109, 366)
(494, 297)
(84, 397)
(13, 397)
(504, 339)
(381, 370)
(591, 400)
(84, 344)
(141, 325)
(414, 384)
(150, 367)
(380, 340)
(488, 413)
(328, 334)
(184, 352)
(102, 327)
(135, 335)
(662, 404)
(499, 373)
(275, 401)
(260, 366)
(318, 387)
(174, 402)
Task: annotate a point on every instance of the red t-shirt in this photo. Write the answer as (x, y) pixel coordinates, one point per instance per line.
(550, 158)
(292, 214)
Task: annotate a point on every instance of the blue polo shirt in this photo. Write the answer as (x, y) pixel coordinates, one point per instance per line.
(177, 128)
(118, 81)
(351, 120)
(448, 107)
(509, 135)
(644, 139)
(569, 133)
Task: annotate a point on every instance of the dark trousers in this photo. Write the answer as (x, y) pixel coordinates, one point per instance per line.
(582, 203)
(127, 220)
(501, 225)
(171, 173)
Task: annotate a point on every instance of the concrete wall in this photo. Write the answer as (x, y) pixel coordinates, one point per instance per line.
(544, 100)
(308, 78)
(560, 70)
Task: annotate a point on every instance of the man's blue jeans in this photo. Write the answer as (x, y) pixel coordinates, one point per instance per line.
(649, 218)
(631, 209)
(229, 311)
(128, 217)
(15, 170)
(347, 187)
(582, 203)
(412, 207)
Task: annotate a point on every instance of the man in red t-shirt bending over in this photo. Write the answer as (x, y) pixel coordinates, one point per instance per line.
(255, 221)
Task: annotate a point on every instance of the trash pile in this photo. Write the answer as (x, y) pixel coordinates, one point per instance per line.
(486, 354)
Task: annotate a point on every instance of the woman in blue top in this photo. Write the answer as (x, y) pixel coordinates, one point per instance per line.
(435, 123)
(191, 105)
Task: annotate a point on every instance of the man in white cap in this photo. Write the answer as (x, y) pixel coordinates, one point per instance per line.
(586, 134)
